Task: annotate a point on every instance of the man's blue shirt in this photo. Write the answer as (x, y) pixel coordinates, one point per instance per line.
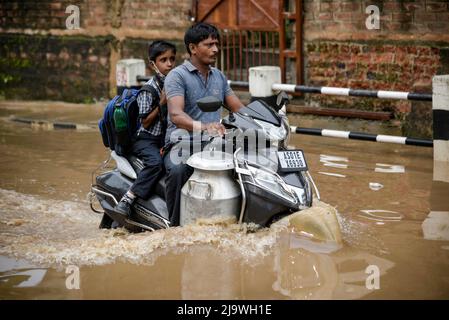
(186, 81)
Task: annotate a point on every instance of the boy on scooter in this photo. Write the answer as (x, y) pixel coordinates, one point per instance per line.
(149, 138)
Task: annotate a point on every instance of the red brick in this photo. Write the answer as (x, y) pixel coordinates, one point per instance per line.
(412, 6)
(55, 6)
(389, 48)
(386, 17)
(438, 26)
(401, 57)
(350, 6)
(355, 49)
(435, 51)
(325, 16)
(345, 16)
(362, 58)
(424, 51)
(419, 69)
(92, 58)
(426, 61)
(412, 50)
(326, 7)
(403, 106)
(330, 25)
(392, 6)
(311, 7)
(443, 16)
(436, 6)
(344, 48)
(383, 58)
(402, 17)
(424, 16)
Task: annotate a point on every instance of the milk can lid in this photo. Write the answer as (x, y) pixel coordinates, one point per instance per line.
(211, 160)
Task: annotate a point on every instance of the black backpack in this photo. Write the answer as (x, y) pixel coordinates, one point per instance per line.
(121, 142)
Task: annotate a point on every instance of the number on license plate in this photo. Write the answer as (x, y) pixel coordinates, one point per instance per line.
(292, 160)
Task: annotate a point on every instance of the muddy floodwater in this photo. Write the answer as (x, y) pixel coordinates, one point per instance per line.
(383, 194)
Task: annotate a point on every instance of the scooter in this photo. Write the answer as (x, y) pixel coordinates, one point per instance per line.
(274, 181)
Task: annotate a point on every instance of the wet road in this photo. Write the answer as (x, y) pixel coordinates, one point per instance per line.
(383, 194)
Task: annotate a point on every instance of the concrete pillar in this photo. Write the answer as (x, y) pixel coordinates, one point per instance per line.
(440, 107)
(262, 78)
(436, 224)
(127, 71)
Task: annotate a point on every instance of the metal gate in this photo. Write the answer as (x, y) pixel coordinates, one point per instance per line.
(252, 34)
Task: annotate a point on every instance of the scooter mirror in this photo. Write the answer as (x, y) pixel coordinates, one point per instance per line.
(282, 98)
(209, 104)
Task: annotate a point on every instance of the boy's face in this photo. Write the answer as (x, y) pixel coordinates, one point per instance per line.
(165, 62)
(206, 51)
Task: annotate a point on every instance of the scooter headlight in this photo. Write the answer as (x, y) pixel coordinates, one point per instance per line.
(272, 183)
(273, 132)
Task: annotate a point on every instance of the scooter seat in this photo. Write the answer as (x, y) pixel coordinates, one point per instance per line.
(137, 165)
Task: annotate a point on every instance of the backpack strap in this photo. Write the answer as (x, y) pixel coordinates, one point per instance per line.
(163, 111)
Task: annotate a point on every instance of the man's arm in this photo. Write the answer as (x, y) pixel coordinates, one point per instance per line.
(233, 102)
(184, 121)
(177, 114)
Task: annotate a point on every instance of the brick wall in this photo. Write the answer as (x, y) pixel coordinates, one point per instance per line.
(398, 19)
(48, 67)
(42, 59)
(411, 46)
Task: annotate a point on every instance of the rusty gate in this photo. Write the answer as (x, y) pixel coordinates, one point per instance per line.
(253, 33)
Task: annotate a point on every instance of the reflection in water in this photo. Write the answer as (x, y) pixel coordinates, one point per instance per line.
(381, 215)
(209, 274)
(332, 174)
(436, 224)
(389, 168)
(333, 161)
(375, 186)
(19, 274)
(303, 274)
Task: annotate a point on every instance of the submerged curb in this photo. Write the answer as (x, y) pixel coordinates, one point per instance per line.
(54, 125)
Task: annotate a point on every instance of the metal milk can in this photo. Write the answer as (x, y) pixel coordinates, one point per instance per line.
(211, 195)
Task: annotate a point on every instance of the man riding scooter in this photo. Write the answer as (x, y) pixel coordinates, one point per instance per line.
(194, 79)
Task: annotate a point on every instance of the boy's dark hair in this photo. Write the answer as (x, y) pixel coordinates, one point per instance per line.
(156, 48)
(199, 32)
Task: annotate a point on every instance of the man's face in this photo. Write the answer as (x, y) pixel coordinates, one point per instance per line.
(206, 51)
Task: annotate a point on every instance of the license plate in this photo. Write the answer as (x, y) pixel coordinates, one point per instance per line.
(292, 160)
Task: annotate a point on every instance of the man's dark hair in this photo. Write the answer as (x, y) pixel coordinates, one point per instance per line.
(199, 32)
(156, 48)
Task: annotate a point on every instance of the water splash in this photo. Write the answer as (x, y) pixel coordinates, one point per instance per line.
(57, 233)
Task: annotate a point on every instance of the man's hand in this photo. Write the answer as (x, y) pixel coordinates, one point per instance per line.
(215, 128)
